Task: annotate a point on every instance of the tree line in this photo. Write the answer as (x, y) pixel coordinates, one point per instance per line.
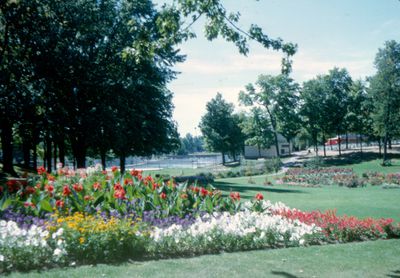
(328, 105)
(86, 77)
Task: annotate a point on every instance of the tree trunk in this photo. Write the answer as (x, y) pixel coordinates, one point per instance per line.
(27, 153)
(223, 158)
(380, 147)
(61, 151)
(276, 144)
(259, 151)
(48, 153)
(55, 155)
(34, 156)
(347, 141)
(122, 159)
(7, 147)
(290, 151)
(385, 142)
(339, 145)
(361, 144)
(80, 158)
(316, 145)
(103, 159)
(390, 143)
(79, 150)
(323, 138)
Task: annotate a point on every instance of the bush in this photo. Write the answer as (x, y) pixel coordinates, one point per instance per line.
(273, 165)
(315, 162)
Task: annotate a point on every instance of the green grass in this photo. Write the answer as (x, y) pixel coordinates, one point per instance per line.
(361, 202)
(366, 259)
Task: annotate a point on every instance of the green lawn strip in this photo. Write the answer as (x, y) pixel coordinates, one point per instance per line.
(365, 259)
(370, 201)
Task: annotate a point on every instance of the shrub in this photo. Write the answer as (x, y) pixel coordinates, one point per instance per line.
(273, 165)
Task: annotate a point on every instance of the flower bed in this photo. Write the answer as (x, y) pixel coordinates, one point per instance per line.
(388, 180)
(322, 176)
(48, 221)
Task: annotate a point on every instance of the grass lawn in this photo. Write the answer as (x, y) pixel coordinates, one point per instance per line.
(366, 259)
(361, 202)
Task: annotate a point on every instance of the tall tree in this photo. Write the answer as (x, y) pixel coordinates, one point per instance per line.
(313, 99)
(274, 94)
(337, 85)
(385, 92)
(220, 128)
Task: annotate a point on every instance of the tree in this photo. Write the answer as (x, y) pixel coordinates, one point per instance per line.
(257, 129)
(337, 85)
(312, 108)
(92, 72)
(359, 110)
(220, 128)
(275, 95)
(385, 92)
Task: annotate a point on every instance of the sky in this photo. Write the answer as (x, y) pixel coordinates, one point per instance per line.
(329, 33)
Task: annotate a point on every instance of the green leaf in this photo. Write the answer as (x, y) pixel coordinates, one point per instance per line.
(45, 205)
(7, 203)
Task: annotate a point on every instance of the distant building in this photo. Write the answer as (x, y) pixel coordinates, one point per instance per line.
(252, 152)
(351, 139)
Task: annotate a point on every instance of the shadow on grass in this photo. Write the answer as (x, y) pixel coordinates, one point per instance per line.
(283, 274)
(228, 186)
(355, 158)
(394, 274)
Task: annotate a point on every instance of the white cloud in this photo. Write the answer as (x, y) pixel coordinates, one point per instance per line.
(201, 79)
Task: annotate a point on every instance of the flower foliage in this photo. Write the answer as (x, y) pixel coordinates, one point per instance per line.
(91, 190)
(323, 176)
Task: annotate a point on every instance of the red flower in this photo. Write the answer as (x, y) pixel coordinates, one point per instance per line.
(13, 186)
(155, 185)
(96, 186)
(235, 196)
(41, 170)
(119, 194)
(203, 192)
(30, 190)
(49, 188)
(195, 189)
(29, 204)
(114, 169)
(259, 197)
(88, 198)
(77, 187)
(118, 186)
(163, 195)
(104, 172)
(60, 203)
(1, 189)
(135, 173)
(66, 190)
(128, 181)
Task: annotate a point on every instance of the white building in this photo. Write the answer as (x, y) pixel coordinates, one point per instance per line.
(252, 152)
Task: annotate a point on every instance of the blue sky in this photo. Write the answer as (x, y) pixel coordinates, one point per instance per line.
(329, 33)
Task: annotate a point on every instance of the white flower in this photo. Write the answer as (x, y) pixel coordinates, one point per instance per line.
(1, 258)
(57, 252)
